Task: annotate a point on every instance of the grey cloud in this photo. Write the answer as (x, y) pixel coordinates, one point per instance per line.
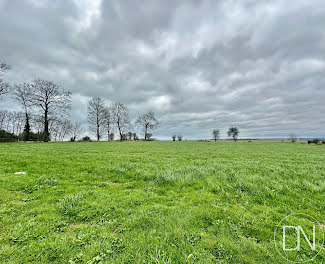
(200, 65)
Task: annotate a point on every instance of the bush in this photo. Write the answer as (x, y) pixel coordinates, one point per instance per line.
(316, 141)
(7, 137)
(85, 139)
(32, 136)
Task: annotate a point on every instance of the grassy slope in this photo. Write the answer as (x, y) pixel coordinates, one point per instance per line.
(140, 202)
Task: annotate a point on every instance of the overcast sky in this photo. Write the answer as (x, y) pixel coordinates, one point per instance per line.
(200, 65)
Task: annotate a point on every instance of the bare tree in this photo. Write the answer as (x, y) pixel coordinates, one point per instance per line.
(60, 129)
(76, 131)
(216, 134)
(107, 121)
(174, 137)
(22, 94)
(120, 114)
(292, 137)
(20, 121)
(180, 137)
(11, 121)
(3, 118)
(233, 132)
(4, 87)
(149, 135)
(96, 108)
(37, 123)
(65, 127)
(16, 122)
(147, 122)
(51, 99)
(54, 128)
(8, 121)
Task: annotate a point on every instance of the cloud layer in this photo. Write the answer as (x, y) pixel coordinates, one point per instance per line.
(199, 65)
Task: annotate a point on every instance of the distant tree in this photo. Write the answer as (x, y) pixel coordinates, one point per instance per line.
(129, 135)
(65, 128)
(23, 95)
(86, 139)
(148, 136)
(3, 117)
(135, 136)
(51, 99)
(96, 109)
(216, 134)
(37, 123)
(76, 131)
(147, 122)
(111, 136)
(124, 137)
(107, 121)
(180, 137)
(174, 137)
(233, 132)
(17, 123)
(11, 121)
(60, 129)
(292, 137)
(4, 87)
(120, 114)
(54, 129)
(8, 121)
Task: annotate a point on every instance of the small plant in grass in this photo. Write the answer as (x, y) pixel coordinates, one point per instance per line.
(71, 205)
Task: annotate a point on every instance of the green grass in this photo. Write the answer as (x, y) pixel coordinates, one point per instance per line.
(154, 202)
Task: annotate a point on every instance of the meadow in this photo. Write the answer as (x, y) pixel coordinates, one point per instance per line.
(154, 202)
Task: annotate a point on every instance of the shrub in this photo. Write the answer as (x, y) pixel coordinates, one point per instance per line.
(7, 137)
(86, 139)
(111, 136)
(316, 141)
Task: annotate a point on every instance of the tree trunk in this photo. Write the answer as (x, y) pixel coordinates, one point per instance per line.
(119, 130)
(97, 131)
(46, 126)
(145, 132)
(108, 135)
(98, 136)
(26, 129)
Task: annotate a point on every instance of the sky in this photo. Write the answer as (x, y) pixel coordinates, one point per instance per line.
(199, 65)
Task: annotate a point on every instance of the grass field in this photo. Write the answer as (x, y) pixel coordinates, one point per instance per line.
(154, 202)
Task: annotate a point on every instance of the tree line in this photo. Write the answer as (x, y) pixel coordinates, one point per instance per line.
(104, 119)
(45, 109)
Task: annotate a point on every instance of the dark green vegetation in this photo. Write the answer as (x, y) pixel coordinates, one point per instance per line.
(154, 202)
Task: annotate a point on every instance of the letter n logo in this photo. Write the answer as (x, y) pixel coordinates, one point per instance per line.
(299, 231)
